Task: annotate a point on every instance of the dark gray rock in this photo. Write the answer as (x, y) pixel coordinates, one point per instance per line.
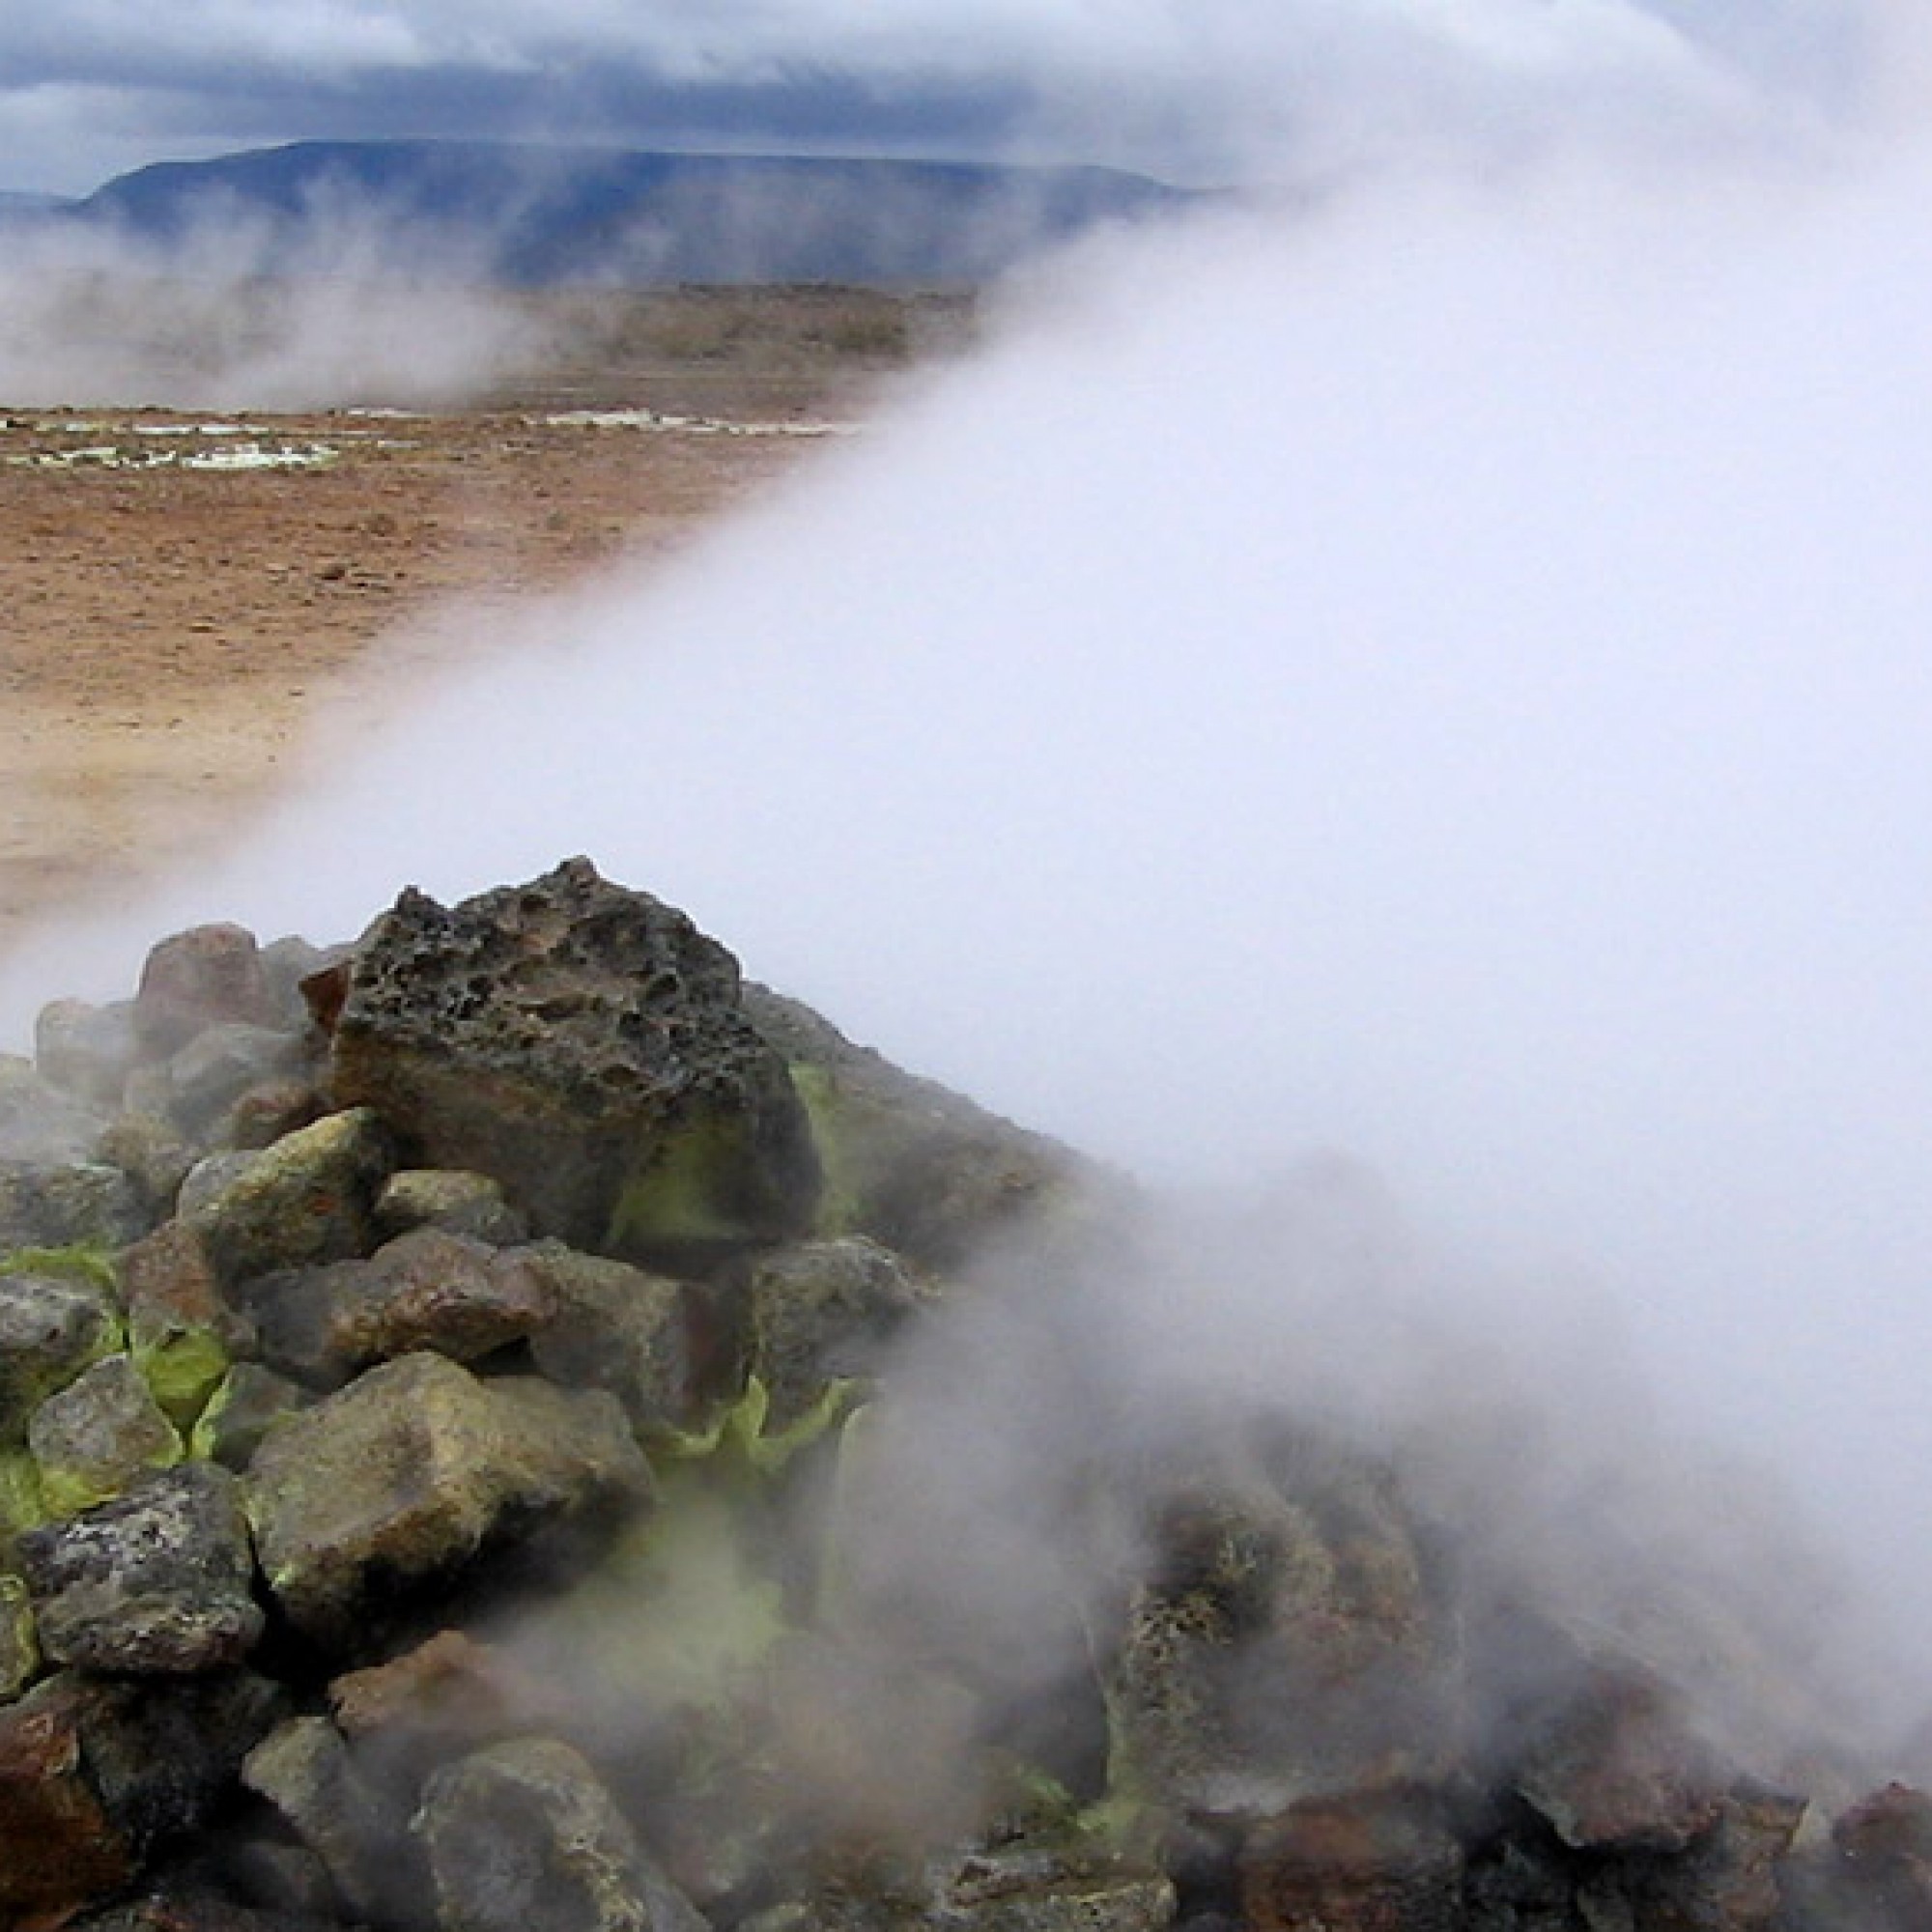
(85, 1204)
(401, 1480)
(423, 1291)
(198, 1087)
(51, 1327)
(94, 1438)
(586, 1046)
(457, 1202)
(205, 976)
(304, 1770)
(157, 1580)
(308, 1200)
(97, 1773)
(246, 1404)
(822, 1312)
(523, 1838)
(155, 1156)
(645, 1338)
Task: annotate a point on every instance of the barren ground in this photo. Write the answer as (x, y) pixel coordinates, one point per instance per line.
(181, 594)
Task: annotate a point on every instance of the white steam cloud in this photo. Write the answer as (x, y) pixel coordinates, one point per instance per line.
(1443, 675)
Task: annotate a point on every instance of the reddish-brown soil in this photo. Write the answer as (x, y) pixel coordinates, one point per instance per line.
(172, 619)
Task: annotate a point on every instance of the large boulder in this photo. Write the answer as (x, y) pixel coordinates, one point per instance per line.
(205, 976)
(400, 1481)
(587, 1047)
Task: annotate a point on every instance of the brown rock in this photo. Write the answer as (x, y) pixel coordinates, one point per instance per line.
(198, 978)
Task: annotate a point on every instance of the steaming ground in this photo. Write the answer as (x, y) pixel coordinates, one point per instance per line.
(1443, 677)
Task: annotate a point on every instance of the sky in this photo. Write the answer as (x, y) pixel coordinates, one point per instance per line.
(1210, 92)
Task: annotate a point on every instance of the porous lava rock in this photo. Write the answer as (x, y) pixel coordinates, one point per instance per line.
(586, 1046)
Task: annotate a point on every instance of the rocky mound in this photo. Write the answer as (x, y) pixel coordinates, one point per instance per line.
(460, 1396)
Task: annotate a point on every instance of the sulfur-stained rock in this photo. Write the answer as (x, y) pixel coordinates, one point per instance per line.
(307, 1200)
(586, 1046)
(402, 1479)
(918, 1167)
(204, 977)
(423, 1291)
(181, 1332)
(19, 1639)
(822, 1312)
(647, 1338)
(456, 1200)
(245, 1405)
(69, 1204)
(523, 1835)
(1380, 1863)
(157, 1580)
(93, 1439)
(51, 1327)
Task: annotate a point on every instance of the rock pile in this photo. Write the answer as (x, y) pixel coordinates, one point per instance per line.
(445, 1417)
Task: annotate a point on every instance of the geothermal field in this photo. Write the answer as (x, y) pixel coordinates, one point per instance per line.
(1086, 1110)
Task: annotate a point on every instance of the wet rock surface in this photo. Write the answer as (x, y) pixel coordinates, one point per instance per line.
(477, 1455)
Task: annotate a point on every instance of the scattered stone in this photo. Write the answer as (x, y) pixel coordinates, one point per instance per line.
(156, 1580)
(423, 1291)
(195, 979)
(51, 1327)
(645, 1338)
(303, 1769)
(91, 1439)
(87, 1051)
(456, 1200)
(402, 1479)
(85, 1204)
(305, 1201)
(40, 1124)
(522, 1835)
(823, 1312)
(586, 1046)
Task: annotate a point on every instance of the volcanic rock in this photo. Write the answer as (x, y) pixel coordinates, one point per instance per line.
(587, 1047)
(522, 1835)
(918, 1167)
(91, 1439)
(68, 1205)
(307, 1200)
(402, 1479)
(195, 979)
(650, 1341)
(199, 1087)
(423, 1291)
(181, 1331)
(457, 1202)
(156, 1580)
(1386, 1862)
(51, 1326)
(19, 1639)
(822, 1312)
(303, 1769)
(247, 1403)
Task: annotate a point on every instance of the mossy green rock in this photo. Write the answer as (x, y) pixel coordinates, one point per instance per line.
(583, 1045)
(94, 1438)
(19, 1642)
(402, 1480)
(51, 1327)
(307, 1199)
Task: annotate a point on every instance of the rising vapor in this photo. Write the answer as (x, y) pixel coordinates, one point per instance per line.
(1439, 673)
